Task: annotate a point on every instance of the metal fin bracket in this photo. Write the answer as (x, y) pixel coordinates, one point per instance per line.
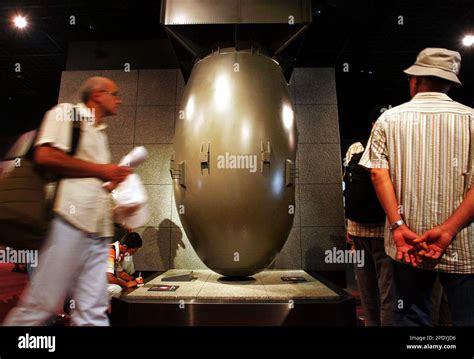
(265, 155)
(178, 173)
(204, 157)
(291, 173)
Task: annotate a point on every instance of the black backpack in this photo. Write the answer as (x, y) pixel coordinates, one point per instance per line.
(361, 202)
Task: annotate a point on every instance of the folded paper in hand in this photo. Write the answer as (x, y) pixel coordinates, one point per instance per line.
(135, 158)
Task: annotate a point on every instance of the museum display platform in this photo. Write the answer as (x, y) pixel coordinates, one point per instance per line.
(269, 298)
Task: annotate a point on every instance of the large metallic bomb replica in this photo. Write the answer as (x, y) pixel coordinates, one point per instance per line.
(235, 148)
(235, 144)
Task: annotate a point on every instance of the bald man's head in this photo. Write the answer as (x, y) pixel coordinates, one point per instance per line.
(101, 93)
(96, 83)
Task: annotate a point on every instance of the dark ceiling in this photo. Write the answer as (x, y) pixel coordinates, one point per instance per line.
(366, 34)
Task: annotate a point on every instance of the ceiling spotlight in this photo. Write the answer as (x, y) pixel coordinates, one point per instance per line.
(20, 22)
(468, 40)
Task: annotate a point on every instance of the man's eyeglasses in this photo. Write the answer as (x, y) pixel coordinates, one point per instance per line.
(114, 94)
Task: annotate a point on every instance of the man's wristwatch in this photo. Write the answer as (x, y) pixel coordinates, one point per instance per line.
(397, 224)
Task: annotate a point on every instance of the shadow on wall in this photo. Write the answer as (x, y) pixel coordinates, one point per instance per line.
(166, 247)
(176, 241)
(159, 237)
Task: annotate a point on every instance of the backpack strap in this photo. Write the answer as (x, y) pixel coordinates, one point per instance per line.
(75, 137)
(76, 131)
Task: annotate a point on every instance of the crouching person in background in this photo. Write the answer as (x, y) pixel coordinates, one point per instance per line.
(120, 267)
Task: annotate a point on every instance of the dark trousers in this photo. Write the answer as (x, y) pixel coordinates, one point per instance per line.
(374, 281)
(440, 314)
(413, 288)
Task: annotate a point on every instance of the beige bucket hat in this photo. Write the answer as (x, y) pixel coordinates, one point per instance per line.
(437, 62)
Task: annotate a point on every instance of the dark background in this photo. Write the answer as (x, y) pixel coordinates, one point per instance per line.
(365, 34)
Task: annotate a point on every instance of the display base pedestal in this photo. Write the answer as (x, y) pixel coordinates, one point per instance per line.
(271, 299)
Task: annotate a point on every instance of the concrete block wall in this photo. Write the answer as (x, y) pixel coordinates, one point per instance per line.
(147, 117)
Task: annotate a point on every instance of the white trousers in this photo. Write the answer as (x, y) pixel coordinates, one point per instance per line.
(114, 290)
(70, 262)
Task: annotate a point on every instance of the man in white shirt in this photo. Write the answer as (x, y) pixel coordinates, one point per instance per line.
(74, 257)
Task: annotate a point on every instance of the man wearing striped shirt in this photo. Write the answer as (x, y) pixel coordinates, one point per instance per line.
(418, 155)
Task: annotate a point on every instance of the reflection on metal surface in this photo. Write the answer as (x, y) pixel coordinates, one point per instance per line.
(288, 116)
(245, 132)
(222, 92)
(190, 108)
(277, 183)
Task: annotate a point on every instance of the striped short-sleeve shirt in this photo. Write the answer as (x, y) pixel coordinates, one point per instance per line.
(371, 230)
(425, 145)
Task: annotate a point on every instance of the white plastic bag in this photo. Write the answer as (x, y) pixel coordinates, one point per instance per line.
(131, 203)
(131, 200)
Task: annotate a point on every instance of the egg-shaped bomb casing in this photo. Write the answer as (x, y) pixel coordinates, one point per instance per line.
(233, 168)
